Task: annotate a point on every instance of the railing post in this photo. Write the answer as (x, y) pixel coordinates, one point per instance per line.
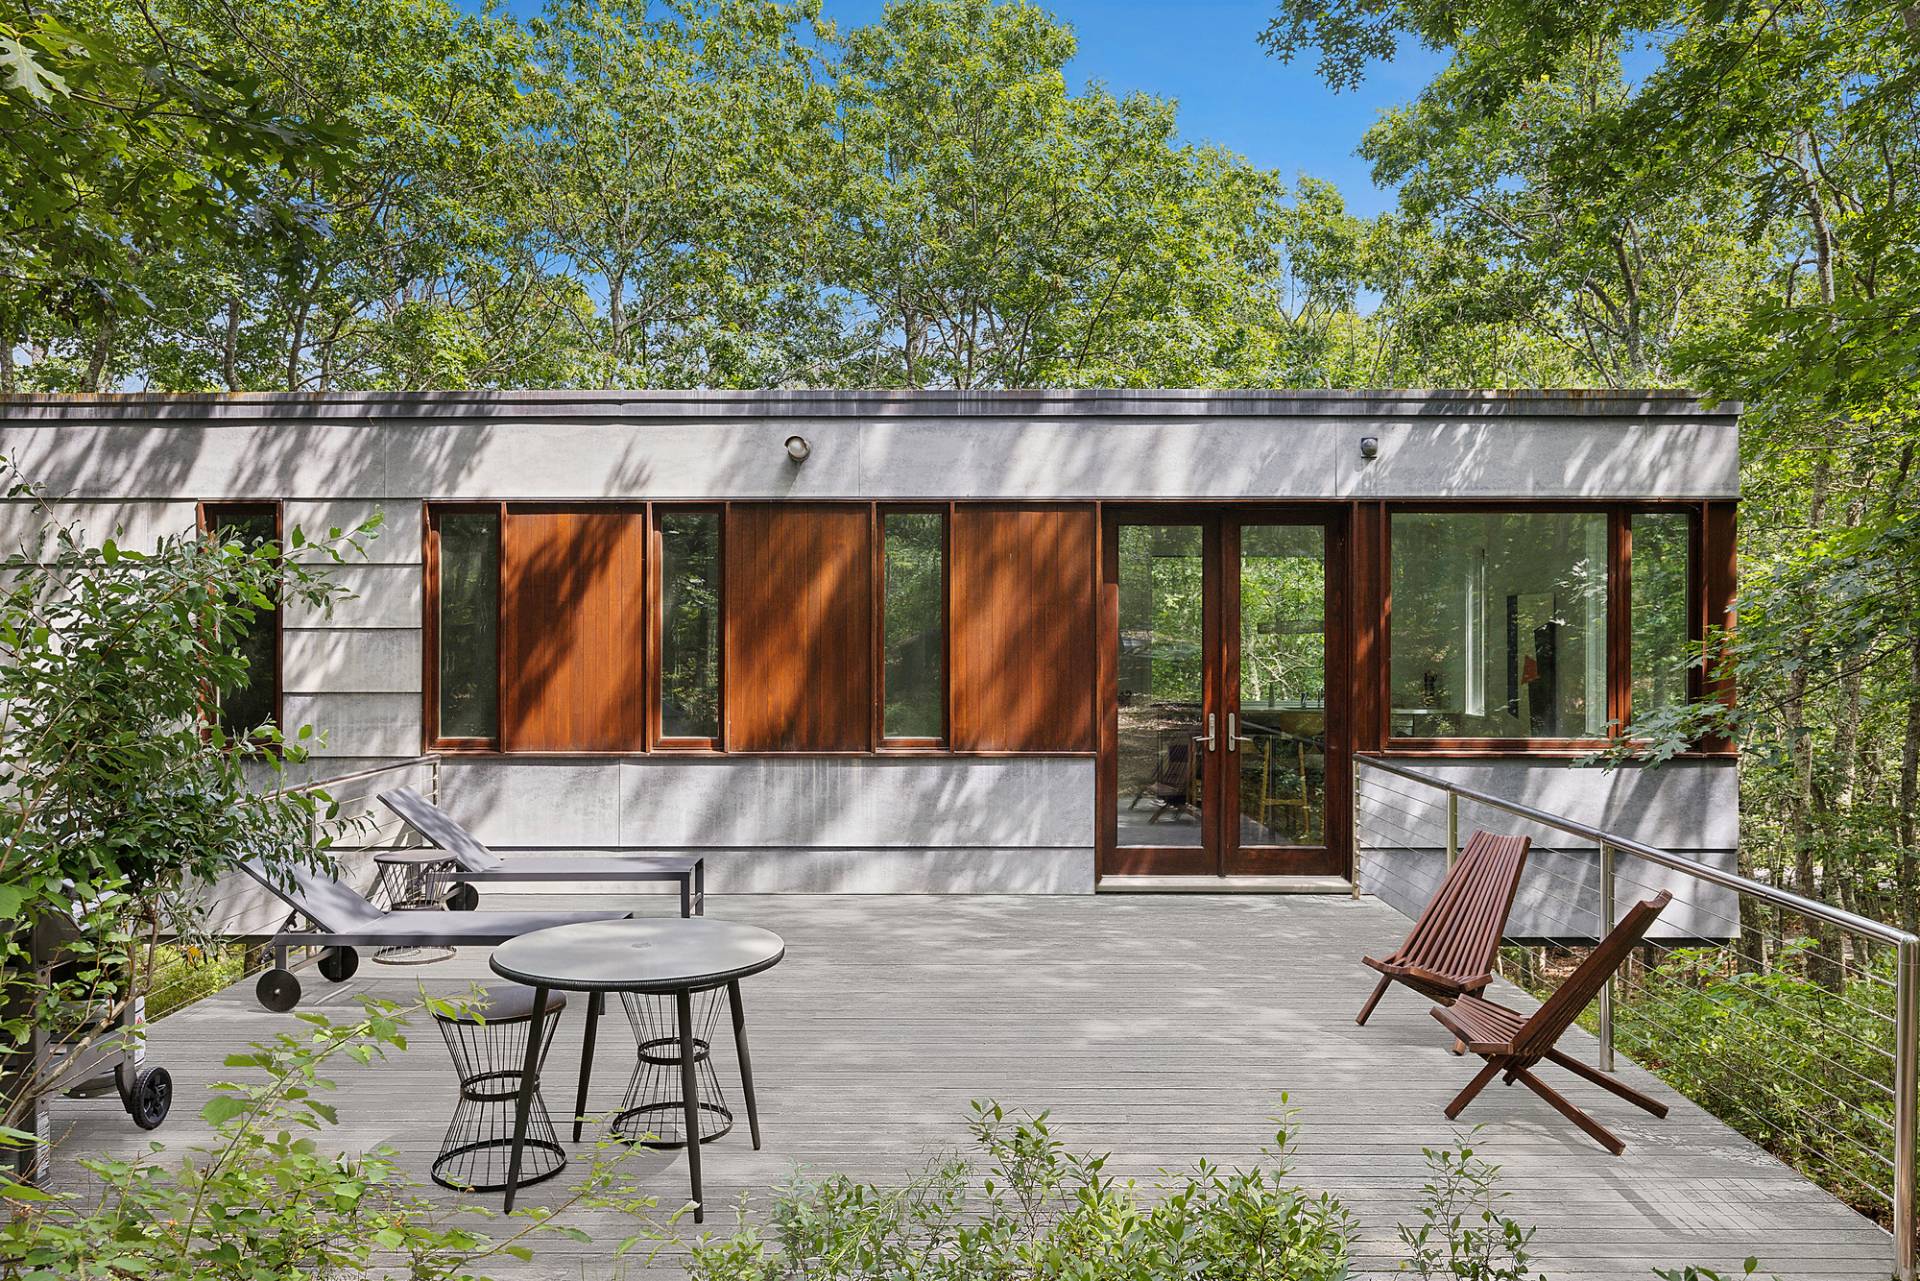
(1906, 1082)
(1453, 828)
(1606, 928)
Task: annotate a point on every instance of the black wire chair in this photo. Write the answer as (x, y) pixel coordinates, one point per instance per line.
(488, 1041)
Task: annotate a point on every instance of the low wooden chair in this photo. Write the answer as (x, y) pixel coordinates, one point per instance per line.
(1450, 950)
(1514, 1044)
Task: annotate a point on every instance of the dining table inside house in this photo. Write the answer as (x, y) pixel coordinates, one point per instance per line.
(650, 963)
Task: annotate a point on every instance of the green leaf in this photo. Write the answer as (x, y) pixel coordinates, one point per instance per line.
(20, 71)
(223, 1108)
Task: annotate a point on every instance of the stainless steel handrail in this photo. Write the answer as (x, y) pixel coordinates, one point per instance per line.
(1906, 1031)
(431, 758)
(1879, 931)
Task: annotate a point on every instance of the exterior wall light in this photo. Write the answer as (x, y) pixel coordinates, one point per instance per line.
(798, 448)
(1369, 446)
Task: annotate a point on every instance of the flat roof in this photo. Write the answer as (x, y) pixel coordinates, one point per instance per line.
(681, 406)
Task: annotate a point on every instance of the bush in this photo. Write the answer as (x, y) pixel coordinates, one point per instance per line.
(1804, 1072)
(1041, 1212)
(267, 1202)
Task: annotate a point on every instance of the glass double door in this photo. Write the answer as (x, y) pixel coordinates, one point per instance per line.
(1222, 753)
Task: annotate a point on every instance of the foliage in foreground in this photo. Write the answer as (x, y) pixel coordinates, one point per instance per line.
(124, 793)
(268, 1202)
(1041, 1212)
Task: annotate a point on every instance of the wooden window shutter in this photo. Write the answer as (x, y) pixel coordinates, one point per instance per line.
(572, 594)
(1025, 585)
(799, 647)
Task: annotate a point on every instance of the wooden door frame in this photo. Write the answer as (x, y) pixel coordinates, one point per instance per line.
(1219, 522)
(1334, 855)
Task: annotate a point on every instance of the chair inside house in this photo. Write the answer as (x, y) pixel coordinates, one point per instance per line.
(1171, 786)
(1450, 950)
(1514, 1043)
(1285, 790)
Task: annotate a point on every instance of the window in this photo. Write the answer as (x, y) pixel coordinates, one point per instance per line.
(1661, 647)
(464, 559)
(255, 701)
(689, 623)
(1499, 625)
(913, 624)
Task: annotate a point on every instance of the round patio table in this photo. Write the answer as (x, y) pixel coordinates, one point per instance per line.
(661, 956)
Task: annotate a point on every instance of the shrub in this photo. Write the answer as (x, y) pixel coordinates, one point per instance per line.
(1040, 1212)
(268, 1203)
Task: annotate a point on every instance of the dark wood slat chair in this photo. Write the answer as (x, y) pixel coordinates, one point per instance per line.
(1450, 950)
(1514, 1044)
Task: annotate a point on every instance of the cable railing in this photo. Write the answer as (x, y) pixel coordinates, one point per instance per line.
(1793, 1021)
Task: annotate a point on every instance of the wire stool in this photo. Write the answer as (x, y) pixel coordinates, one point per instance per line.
(488, 1057)
(404, 880)
(653, 1112)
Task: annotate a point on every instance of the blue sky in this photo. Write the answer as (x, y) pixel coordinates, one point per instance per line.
(1205, 55)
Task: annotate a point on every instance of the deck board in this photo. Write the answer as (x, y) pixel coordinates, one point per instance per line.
(1157, 1028)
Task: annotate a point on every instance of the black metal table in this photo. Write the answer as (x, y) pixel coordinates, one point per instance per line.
(656, 956)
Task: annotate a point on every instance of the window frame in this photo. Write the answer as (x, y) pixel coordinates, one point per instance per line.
(1619, 622)
(880, 739)
(655, 606)
(205, 520)
(430, 626)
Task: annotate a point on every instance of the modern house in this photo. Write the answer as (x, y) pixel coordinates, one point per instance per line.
(929, 641)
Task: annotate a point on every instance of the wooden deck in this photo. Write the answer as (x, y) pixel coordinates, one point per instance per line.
(1158, 1028)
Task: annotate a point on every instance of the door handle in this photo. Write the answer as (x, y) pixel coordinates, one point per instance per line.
(1234, 736)
(1210, 738)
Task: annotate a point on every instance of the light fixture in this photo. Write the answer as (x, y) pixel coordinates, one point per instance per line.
(798, 448)
(1369, 446)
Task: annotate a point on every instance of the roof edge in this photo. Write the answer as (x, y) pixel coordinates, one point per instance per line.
(721, 405)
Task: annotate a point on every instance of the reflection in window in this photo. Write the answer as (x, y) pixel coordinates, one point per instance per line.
(467, 630)
(250, 704)
(690, 625)
(1160, 669)
(1499, 625)
(914, 621)
(1660, 648)
(1283, 685)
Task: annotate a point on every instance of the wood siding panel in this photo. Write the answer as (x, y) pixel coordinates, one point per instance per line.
(1718, 580)
(1024, 609)
(572, 643)
(799, 638)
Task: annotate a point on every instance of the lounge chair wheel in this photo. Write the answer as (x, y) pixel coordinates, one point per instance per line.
(152, 1098)
(278, 990)
(337, 964)
(463, 898)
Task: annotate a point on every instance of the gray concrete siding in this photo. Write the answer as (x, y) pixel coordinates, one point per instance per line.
(359, 466)
(1689, 807)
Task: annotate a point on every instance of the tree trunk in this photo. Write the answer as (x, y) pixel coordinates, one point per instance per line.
(97, 359)
(230, 345)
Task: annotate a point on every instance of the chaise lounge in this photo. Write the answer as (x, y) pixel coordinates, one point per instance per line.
(478, 864)
(341, 919)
